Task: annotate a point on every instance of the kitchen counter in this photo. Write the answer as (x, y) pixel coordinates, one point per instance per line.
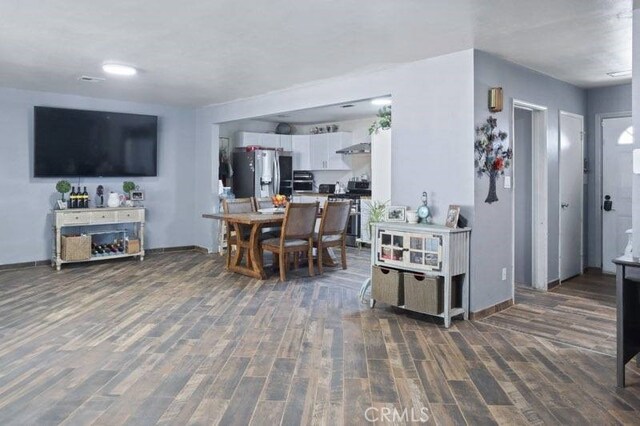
(319, 194)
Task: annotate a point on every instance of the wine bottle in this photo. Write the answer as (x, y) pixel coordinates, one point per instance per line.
(85, 198)
(72, 198)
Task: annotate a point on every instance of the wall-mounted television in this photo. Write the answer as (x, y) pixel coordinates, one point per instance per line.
(79, 143)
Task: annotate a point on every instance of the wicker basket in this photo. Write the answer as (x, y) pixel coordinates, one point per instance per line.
(75, 247)
(133, 247)
(386, 286)
(424, 294)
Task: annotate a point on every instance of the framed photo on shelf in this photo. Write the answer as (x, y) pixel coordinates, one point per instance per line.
(396, 214)
(137, 195)
(453, 214)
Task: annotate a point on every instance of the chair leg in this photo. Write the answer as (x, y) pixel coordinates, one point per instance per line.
(275, 262)
(320, 259)
(311, 270)
(296, 260)
(283, 272)
(343, 252)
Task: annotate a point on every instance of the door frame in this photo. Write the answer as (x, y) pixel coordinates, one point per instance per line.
(582, 143)
(540, 197)
(599, 177)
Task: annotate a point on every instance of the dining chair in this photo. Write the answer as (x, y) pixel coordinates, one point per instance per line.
(262, 203)
(296, 236)
(333, 230)
(237, 205)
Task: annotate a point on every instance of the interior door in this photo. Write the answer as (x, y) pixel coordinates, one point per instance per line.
(571, 194)
(617, 174)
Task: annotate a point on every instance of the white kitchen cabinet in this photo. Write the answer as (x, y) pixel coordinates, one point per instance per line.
(322, 151)
(244, 139)
(301, 154)
(269, 140)
(318, 152)
(286, 142)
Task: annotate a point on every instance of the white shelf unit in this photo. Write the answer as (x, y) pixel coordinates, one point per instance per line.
(92, 219)
(432, 250)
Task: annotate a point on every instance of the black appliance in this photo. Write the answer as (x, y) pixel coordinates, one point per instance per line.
(327, 188)
(361, 187)
(353, 228)
(261, 172)
(79, 143)
(302, 181)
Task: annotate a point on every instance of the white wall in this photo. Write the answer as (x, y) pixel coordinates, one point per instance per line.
(610, 99)
(492, 235)
(636, 123)
(359, 164)
(26, 201)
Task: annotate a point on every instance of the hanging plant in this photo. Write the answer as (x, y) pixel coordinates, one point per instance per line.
(383, 122)
(492, 156)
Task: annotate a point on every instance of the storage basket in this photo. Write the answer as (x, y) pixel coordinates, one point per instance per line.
(75, 247)
(386, 286)
(424, 294)
(133, 247)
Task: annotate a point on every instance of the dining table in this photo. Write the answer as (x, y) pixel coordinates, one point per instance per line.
(248, 243)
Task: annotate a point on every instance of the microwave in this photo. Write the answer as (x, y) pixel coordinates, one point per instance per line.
(302, 180)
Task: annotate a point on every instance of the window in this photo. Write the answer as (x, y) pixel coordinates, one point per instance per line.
(626, 137)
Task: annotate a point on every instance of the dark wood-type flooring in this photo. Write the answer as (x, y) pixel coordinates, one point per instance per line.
(178, 340)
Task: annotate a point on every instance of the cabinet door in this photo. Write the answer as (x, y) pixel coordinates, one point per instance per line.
(335, 142)
(244, 139)
(301, 152)
(285, 142)
(269, 140)
(391, 247)
(318, 150)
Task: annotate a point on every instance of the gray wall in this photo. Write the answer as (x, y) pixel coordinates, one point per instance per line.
(26, 201)
(522, 184)
(491, 242)
(635, 99)
(602, 100)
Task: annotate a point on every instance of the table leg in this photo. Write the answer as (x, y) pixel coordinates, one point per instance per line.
(620, 277)
(239, 253)
(255, 260)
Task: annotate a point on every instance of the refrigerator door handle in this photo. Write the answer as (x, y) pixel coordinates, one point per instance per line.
(276, 183)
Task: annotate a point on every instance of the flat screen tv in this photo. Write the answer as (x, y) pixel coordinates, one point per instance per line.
(78, 143)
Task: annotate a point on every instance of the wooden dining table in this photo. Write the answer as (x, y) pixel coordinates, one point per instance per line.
(249, 243)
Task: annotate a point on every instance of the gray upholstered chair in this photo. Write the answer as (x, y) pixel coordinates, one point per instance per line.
(237, 205)
(296, 236)
(262, 203)
(333, 230)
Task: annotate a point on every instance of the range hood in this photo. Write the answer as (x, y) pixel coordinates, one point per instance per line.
(359, 148)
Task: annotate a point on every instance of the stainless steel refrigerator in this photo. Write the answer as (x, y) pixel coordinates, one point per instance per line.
(262, 173)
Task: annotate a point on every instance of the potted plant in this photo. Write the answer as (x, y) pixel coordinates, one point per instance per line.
(63, 186)
(127, 187)
(377, 211)
(383, 122)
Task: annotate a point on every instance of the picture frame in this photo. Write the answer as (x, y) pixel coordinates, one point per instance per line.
(136, 195)
(453, 214)
(62, 205)
(396, 214)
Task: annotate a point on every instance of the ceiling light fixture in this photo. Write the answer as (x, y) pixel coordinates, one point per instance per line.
(381, 101)
(119, 69)
(616, 74)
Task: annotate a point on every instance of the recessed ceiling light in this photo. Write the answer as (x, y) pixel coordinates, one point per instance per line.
(616, 74)
(119, 69)
(381, 101)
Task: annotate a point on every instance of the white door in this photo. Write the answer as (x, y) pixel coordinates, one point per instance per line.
(571, 194)
(617, 177)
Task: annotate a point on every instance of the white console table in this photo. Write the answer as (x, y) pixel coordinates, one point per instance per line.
(432, 250)
(88, 218)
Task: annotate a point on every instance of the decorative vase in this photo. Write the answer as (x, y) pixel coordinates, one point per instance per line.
(492, 196)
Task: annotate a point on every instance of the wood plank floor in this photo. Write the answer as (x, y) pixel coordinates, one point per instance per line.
(178, 340)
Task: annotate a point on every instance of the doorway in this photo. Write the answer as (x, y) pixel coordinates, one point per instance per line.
(571, 179)
(523, 195)
(617, 173)
(533, 117)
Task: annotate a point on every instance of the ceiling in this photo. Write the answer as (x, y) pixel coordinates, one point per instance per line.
(326, 114)
(195, 52)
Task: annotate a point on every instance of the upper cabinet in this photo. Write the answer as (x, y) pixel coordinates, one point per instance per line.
(322, 151)
(301, 155)
(266, 140)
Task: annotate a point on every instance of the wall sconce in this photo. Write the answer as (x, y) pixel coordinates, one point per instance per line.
(636, 161)
(495, 99)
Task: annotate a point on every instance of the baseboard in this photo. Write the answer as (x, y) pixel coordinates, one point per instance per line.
(592, 270)
(22, 265)
(491, 310)
(553, 284)
(33, 264)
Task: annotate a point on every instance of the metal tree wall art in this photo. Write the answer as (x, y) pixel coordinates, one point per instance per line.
(492, 156)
